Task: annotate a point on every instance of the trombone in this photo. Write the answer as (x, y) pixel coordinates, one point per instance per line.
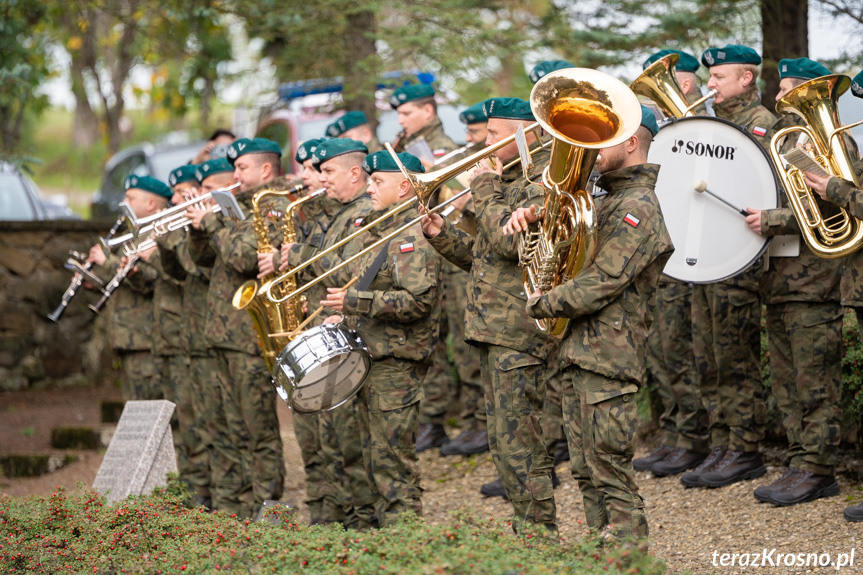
(424, 185)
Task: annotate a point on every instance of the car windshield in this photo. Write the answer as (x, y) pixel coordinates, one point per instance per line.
(14, 201)
(167, 160)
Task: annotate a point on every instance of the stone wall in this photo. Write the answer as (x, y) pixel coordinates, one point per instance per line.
(34, 351)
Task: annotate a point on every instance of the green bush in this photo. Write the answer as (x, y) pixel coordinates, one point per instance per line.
(80, 533)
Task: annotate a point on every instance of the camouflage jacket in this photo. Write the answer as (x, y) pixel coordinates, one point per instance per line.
(747, 112)
(438, 141)
(233, 248)
(130, 309)
(612, 301)
(399, 314)
(806, 277)
(845, 195)
(346, 221)
(374, 145)
(177, 263)
(496, 296)
(167, 310)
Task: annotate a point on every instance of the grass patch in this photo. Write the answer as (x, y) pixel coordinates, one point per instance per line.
(79, 533)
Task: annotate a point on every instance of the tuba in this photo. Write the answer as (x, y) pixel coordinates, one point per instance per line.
(659, 84)
(838, 234)
(268, 317)
(584, 111)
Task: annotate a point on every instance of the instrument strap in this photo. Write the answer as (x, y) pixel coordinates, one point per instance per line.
(370, 274)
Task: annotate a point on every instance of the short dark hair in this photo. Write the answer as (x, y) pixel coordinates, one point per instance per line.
(221, 132)
(269, 158)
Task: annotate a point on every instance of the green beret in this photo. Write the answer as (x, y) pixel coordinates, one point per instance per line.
(347, 122)
(648, 120)
(185, 173)
(544, 68)
(211, 167)
(383, 162)
(857, 85)
(730, 54)
(306, 149)
(687, 62)
(410, 93)
(507, 108)
(803, 68)
(149, 184)
(473, 115)
(245, 146)
(329, 149)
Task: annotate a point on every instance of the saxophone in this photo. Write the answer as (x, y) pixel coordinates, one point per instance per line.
(273, 322)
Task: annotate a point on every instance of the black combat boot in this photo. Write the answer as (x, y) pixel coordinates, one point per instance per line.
(804, 486)
(677, 461)
(467, 443)
(854, 513)
(430, 435)
(646, 462)
(735, 466)
(693, 478)
(764, 492)
(494, 489)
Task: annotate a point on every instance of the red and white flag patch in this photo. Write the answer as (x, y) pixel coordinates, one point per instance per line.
(439, 152)
(759, 131)
(631, 220)
(358, 222)
(405, 248)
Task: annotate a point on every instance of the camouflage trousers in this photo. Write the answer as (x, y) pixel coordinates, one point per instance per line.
(178, 389)
(552, 409)
(318, 487)
(806, 378)
(726, 322)
(601, 436)
(209, 420)
(388, 418)
(671, 362)
(349, 491)
(515, 385)
(439, 389)
(142, 376)
(252, 446)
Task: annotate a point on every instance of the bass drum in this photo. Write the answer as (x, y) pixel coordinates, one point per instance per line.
(321, 368)
(711, 239)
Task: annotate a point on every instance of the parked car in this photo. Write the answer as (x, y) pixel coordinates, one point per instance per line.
(21, 199)
(141, 160)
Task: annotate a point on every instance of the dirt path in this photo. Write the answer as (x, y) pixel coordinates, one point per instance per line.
(686, 525)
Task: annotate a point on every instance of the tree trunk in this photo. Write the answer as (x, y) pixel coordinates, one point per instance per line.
(85, 131)
(785, 30)
(362, 67)
(206, 95)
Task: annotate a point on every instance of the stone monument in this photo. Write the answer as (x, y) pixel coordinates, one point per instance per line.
(141, 452)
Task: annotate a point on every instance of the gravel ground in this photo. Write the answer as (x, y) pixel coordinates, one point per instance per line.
(686, 525)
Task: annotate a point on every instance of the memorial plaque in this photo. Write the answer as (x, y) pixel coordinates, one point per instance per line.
(141, 452)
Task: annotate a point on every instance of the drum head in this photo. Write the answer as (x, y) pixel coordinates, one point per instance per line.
(330, 384)
(712, 241)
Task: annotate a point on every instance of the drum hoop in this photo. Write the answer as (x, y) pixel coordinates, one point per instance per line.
(776, 187)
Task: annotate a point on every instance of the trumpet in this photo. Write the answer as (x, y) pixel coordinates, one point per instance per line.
(81, 272)
(167, 220)
(430, 183)
(659, 84)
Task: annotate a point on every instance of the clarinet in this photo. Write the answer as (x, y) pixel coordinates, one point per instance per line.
(115, 282)
(77, 280)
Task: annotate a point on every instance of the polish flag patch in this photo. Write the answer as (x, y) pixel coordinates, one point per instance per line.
(405, 248)
(358, 222)
(759, 131)
(439, 152)
(632, 220)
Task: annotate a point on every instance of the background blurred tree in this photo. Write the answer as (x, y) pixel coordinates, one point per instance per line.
(23, 69)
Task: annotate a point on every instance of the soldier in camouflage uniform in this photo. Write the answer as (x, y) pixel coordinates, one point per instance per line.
(670, 358)
(355, 126)
(611, 304)
(199, 408)
(513, 351)
(849, 196)
(804, 325)
(726, 316)
(394, 309)
(130, 329)
(349, 497)
(473, 438)
(252, 448)
(417, 112)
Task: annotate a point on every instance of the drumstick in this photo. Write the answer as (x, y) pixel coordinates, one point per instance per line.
(318, 311)
(701, 187)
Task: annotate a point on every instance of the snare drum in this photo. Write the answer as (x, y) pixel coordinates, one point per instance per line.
(712, 241)
(322, 368)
